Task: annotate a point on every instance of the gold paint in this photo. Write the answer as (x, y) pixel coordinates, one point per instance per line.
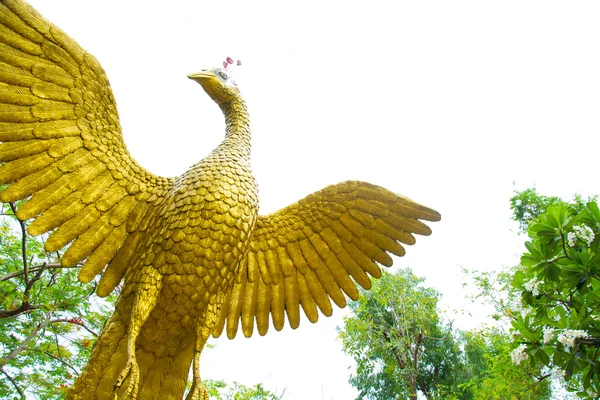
(195, 257)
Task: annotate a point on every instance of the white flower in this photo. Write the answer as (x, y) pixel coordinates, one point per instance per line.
(568, 337)
(533, 286)
(592, 394)
(548, 335)
(582, 232)
(558, 373)
(525, 311)
(571, 239)
(518, 354)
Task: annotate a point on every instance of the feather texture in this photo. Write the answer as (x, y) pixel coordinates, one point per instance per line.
(50, 90)
(326, 243)
(194, 256)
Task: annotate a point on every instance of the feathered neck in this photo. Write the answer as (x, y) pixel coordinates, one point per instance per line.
(237, 130)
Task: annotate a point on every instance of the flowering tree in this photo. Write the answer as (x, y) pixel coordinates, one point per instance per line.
(559, 282)
(493, 375)
(47, 322)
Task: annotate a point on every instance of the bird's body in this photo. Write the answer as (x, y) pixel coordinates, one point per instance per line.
(195, 255)
(200, 234)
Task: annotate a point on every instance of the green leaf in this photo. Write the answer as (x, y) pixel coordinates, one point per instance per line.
(541, 355)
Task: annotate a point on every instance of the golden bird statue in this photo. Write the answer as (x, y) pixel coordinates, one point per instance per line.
(193, 253)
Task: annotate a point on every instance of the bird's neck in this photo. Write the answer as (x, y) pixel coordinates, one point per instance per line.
(237, 130)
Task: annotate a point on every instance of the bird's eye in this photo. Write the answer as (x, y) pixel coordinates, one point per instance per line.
(222, 74)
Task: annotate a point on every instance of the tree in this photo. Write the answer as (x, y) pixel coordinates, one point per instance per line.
(220, 390)
(48, 322)
(489, 349)
(559, 284)
(400, 345)
(528, 205)
(493, 375)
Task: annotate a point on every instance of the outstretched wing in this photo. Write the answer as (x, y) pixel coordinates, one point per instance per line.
(315, 250)
(62, 148)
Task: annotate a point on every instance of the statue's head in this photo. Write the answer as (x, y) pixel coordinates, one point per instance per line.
(217, 82)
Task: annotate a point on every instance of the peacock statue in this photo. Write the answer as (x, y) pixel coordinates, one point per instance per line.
(194, 255)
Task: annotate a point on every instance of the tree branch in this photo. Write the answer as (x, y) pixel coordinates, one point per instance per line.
(36, 278)
(418, 377)
(24, 307)
(23, 345)
(399, 359)
(13, 382)
(23, 248)
(35, 269)
(436, 338)
(61, 360)
(533, 385)
(71, 321)
(33, 333)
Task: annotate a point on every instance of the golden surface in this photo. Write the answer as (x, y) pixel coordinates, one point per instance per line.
(195, 256)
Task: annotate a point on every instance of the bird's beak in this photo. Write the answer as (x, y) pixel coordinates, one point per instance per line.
(208, 80)
(204, 74)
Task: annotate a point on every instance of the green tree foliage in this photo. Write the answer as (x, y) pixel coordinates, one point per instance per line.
(493, 374)
(489, 350)
(559, 285)
(400, 345)
(528, 205)
(48, 323)
(220, 390)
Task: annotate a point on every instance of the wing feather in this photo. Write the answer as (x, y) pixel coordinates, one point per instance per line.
(306, 300)
(12, 150)
(385, 243)
(292, 301)
(363, 260)
(252, 265)
(45, 198)
(278, 305)
(235, 308)
(30, 184)
(318, 292)
(249, 307)
(319, 249)
(97, 187)
(263, 307)
(56, 215)
(372, 251)
(222, 316)
(88, 240)
(64, 146)
(334, 270)
(354, 270)
(102, 255)
(262, 267)
(72, 228)
(116, 268)
(297, 257)
(286, 263)
(272, 261)
(27, 165)
(61, 144)
(340, 275)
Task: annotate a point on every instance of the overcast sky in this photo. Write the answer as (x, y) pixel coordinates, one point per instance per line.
(454, 104)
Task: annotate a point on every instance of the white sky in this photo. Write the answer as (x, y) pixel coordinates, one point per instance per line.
(453, 104)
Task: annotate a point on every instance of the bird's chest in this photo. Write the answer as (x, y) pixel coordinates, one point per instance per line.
(206, 229)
